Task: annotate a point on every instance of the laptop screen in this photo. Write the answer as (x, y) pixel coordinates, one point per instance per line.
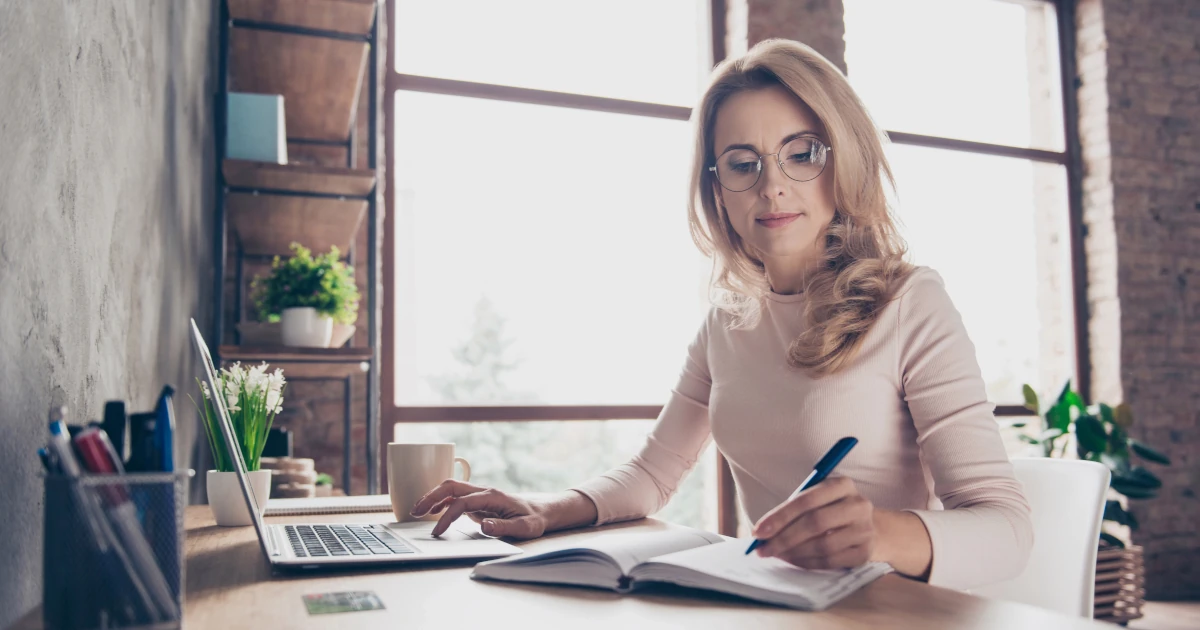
(223, 420)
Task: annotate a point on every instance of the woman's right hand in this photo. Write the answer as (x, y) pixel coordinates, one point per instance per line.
(498, 513)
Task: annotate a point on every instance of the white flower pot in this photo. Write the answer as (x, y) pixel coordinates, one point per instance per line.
(304, 327)
(226, 500)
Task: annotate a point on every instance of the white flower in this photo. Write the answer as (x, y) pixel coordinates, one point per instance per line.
(274, 402)
(256, 379)
(204, 390)
(231, 400)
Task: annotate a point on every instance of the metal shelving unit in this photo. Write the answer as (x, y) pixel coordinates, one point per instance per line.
(306, 50)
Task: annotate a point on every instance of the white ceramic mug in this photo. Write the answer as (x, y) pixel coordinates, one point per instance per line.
(414, 469)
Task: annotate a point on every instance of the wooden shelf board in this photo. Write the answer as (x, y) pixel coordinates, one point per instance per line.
(299, 178)
(318, 77)
(268, 224)
(344, 16)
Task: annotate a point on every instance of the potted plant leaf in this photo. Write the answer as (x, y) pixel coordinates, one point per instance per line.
(308, 294)
(253, 398)
(1101, 435)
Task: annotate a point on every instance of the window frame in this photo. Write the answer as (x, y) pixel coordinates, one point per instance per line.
(391, 414)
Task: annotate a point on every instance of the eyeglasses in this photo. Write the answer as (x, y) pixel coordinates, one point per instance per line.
(802, 160)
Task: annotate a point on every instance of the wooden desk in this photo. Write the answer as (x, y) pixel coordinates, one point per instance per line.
(229, 586)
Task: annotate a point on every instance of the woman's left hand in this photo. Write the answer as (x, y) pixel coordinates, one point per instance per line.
(828, 526)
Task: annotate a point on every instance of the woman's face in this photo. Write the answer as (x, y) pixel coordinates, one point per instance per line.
(780, 217)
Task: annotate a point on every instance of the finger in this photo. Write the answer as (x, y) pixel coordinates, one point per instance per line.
(824, 493)
(813, 525)
(828, 545)
(448, 488)
(848, 558)
(520, 527)
(484, 500)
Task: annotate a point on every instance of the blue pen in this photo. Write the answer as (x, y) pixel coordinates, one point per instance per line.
(819, 473)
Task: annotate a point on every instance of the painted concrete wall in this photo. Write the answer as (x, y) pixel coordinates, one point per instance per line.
(105, 229)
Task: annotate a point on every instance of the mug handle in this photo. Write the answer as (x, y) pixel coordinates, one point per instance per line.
(466, 468)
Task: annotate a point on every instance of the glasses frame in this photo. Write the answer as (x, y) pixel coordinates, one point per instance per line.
(758, 173)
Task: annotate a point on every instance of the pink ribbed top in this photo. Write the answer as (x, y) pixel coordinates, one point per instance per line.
(913, 396)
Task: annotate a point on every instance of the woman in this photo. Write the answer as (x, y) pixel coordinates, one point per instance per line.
(820, 330)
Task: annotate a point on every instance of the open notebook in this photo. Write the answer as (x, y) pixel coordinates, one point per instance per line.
(685, 557)
(329, 505)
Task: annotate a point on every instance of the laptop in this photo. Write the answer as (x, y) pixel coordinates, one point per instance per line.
(315, 546)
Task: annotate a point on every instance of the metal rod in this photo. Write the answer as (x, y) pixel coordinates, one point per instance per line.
(1001, 150)
(347, 440)
(296, 193)
(219, 110)
(1066, 54)
(318, 141)
(433, 85)
(292, 29)
(239, 289)
(372, 264)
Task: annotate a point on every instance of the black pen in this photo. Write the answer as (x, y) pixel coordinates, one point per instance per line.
(819, 473)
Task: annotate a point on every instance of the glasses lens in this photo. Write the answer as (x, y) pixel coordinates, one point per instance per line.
(738, 169)
(803, 159)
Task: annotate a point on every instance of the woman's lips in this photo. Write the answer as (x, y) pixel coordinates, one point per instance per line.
(777, 222)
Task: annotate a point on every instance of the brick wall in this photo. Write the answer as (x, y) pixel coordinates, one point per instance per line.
(1140, 109)
(817, 23)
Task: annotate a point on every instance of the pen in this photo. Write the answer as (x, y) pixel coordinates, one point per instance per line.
(819, 473)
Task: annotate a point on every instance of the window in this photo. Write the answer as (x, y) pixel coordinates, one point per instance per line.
(970, 93)
(543, 283)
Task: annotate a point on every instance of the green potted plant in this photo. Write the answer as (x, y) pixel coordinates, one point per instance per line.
(1101, 435)
(252, 397)
(308, 294)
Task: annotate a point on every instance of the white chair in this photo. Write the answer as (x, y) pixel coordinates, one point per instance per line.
(1067, 498)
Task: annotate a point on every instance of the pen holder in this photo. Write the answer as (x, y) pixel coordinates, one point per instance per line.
(113, 551)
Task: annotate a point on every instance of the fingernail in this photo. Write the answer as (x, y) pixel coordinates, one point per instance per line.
(488, 526)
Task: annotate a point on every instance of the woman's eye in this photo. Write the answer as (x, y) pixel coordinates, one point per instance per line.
(802, 158)
(743, 167)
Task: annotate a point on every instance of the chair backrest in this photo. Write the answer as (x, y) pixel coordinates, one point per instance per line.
(1067, 499)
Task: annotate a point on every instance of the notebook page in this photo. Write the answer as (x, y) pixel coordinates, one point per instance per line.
(631, 549)
(719, 566)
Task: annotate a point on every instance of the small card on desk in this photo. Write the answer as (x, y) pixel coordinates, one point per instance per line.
(348, 601)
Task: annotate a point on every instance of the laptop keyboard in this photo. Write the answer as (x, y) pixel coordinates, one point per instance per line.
(317, 541)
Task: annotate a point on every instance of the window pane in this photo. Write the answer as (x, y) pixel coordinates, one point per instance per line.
(983, 70)
(642, 50)
(996, 229)
(555, 269)
(550, 456)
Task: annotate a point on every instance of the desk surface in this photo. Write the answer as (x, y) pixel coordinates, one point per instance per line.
(229, 585)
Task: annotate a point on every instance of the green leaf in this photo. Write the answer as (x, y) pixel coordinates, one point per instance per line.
(1147, 453)
(1133, 490)
(1112, 540)
(1123, 416)
(1145, 477)
(1105, 413)
(1114, 512)
(1058, 417)
(1062, 396)
(1031, 399)
(1090, 434)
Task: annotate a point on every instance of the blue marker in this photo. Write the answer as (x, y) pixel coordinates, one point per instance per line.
(164, 430)
(819, 473)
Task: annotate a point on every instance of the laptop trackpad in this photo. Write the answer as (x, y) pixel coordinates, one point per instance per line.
(420, 532)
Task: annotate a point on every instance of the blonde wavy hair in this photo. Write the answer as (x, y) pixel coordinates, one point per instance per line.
(863, 261)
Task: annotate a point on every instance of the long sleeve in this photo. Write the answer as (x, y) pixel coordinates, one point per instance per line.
(643, 485)
(984, 534)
